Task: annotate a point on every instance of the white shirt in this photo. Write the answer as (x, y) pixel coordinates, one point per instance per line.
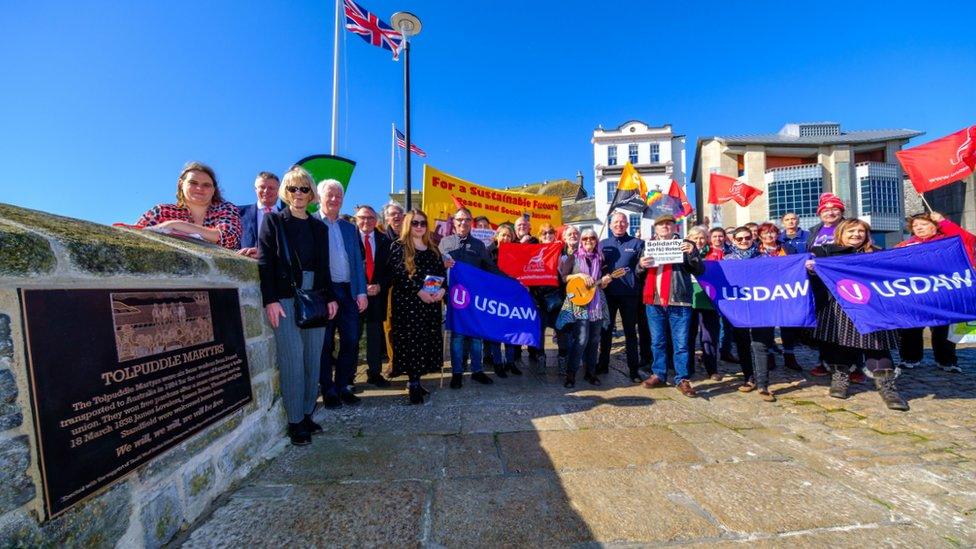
(261, 215)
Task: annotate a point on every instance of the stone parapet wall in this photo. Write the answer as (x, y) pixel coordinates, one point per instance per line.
(147, 508)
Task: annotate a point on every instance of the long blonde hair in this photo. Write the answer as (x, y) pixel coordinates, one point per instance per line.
(406, 240)
(867, 246)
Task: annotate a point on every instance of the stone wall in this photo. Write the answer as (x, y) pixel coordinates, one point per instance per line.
(150, 506)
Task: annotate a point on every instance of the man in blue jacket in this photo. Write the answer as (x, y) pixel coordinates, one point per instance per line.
(266, 187)
(623, 294)
(349, 285)
(792, 233)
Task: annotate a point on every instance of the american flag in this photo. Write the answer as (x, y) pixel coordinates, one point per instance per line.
(402, 143)
(372, 29)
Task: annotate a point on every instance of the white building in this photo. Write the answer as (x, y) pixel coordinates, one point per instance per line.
(656, 152)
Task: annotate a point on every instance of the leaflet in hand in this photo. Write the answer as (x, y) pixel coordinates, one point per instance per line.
(432, 284)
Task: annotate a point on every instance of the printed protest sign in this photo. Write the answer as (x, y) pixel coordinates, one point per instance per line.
(664, 252)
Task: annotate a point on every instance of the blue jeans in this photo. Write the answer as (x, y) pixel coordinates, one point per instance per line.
(337, 372)
(495, 348)
(458, 343)
(582, 341)
(661, 320)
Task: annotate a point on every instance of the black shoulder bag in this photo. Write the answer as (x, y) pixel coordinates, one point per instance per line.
(311, 310)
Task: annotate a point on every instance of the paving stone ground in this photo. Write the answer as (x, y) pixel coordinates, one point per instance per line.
(525, 462)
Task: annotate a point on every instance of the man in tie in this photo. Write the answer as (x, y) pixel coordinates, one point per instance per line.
(252, 215)
(349, 284)
(461, 246)
(376, 252)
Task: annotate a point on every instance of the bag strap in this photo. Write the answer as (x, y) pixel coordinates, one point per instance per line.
(287, 250)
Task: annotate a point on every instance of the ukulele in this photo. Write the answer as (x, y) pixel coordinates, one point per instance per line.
(580, 294)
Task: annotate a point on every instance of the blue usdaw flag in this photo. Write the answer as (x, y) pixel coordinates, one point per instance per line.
(761, 292)
(492, 307)
(921, 285)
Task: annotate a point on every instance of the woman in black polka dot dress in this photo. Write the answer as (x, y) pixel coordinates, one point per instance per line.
(417, 331)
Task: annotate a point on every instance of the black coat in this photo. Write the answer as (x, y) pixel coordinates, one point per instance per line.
(273, 268)
(376, 311)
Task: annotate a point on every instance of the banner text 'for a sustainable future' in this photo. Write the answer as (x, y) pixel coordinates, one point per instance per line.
(443, 191)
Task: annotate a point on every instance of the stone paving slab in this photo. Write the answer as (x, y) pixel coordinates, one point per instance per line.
(317, 515)
(513, 511)
(594, 449)
(770, 497)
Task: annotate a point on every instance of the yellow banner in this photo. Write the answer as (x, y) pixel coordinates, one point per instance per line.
(443, 192)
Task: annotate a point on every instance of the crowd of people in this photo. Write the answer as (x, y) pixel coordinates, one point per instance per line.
(372, 267)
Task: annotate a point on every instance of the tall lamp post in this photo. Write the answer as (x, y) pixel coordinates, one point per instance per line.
(409, 25)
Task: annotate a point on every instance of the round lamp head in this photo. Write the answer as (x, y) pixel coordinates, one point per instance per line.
(407, 23)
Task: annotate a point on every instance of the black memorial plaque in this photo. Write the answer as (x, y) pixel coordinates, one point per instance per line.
(119, 376)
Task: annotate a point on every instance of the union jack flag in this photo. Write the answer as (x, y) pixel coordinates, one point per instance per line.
(402, 143)
(372, 29)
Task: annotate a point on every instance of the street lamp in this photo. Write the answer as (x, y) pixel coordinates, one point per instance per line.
(409, 25)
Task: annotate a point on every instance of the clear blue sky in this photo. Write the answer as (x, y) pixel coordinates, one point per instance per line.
(102, 102)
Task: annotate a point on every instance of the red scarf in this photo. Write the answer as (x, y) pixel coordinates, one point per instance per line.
(650, 285)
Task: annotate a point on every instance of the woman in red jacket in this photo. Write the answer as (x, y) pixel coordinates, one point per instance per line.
(929, 228)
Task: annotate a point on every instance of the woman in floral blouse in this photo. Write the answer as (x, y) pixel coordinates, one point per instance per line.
(199, 209)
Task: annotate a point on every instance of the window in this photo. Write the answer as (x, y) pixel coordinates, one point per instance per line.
(796, 189)
(611, 189)
(611, 155)
(655, 153)
(634, 220)
(632, 153)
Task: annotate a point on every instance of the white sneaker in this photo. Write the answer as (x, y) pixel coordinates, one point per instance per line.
(951, 368)
(909, 365)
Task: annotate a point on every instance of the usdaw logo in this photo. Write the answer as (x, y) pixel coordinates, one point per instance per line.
(460, 297)
(853, 291)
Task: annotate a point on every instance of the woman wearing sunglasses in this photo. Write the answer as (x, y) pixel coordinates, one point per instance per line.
(502, 360)
(293, 251)
(750, 343)
(771, 245)
(199, 210)
(417, 334)
(547, 298)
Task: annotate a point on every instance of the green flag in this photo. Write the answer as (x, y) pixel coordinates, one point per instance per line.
(328, 166)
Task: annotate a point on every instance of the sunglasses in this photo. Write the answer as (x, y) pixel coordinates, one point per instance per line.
(548, 232)
(303, 190)
(588, 238)
(418, 223)
(742, 238)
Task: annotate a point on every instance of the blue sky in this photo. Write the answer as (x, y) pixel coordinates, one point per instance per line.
(101, 102)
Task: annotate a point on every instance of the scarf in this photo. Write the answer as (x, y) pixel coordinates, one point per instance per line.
(779, 250)
(591, 263)
(736, 253)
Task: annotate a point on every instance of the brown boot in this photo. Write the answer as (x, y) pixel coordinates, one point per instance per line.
(884, 380)
(686, 389)
(653, 382)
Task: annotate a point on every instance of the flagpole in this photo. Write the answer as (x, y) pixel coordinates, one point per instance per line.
(392, 154)
(409, 25)
(335, 82)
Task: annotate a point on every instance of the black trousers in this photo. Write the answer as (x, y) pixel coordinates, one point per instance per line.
(742, 337)
(911, 345)
(375, 344)
(629, 307)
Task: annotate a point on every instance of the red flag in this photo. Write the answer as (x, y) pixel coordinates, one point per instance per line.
(457, 202)
(677, 192)
(531, 264)
(743, 194)
(942, 161)
(719, 187)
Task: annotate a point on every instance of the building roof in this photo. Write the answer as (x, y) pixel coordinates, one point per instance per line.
(557, 187)
(579, 211)
(862, 136)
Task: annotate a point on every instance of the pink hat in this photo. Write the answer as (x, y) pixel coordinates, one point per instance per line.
(830, 200)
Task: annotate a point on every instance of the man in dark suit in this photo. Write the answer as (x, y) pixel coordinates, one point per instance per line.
(266, 188)
(376, 252)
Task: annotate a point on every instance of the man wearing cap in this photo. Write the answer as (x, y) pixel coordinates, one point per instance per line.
(667, 297)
